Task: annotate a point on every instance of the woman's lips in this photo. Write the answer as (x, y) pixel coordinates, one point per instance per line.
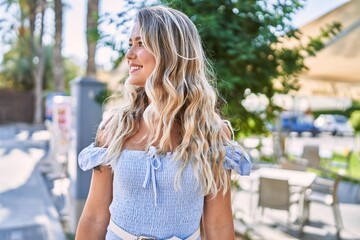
(134, 68)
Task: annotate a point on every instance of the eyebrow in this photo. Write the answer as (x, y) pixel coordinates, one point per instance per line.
(136, 39)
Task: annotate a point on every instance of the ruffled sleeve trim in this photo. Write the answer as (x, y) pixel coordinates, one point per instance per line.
(237, 159)
(91, 157)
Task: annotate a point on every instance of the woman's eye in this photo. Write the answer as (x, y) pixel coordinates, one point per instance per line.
(140, 44)
(130, 45)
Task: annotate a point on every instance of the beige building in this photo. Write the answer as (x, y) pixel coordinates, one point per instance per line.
(335, 70)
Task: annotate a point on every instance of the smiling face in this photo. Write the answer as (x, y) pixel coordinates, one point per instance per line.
(141, 63)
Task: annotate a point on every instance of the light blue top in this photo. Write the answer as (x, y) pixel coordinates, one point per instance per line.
(145, 201)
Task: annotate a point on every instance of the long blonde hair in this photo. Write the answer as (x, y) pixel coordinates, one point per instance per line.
(178, 90)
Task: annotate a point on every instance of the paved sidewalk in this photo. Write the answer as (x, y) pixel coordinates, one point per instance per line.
(27, 210)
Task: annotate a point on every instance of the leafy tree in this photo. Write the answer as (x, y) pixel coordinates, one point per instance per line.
(244, 39)
(355, 120)
(17, 67)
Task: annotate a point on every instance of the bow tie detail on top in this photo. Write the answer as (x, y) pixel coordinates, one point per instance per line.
(152, 163)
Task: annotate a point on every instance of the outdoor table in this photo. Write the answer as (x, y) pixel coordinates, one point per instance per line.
(295, 178)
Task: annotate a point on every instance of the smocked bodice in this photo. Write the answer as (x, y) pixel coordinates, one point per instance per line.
(145, 200)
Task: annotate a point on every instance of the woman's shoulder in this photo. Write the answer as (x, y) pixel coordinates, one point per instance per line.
(237, 159)
(91, 157)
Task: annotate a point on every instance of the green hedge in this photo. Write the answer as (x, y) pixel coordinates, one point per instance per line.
(347, 112)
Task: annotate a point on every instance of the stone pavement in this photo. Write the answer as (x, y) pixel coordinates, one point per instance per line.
(27, 209)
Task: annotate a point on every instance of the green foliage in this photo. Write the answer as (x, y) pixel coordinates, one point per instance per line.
(347, 163)
(102, 96)
(245, 41)
(355, 106)
(48, 78)
(93, 33)
(355, 120)
(70, 236)
(71, 71)
(18, 64)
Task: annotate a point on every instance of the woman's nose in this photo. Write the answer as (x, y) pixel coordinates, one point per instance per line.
(130, 54)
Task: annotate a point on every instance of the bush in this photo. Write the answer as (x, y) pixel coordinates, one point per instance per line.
(355, 120)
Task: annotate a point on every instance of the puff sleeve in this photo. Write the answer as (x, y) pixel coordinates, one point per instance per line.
(91, 157)
(237, 159)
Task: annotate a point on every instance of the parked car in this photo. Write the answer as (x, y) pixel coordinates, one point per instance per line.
(297, 122)
(334, 124)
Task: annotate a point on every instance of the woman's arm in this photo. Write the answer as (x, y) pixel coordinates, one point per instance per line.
(217, 217)
(96, 216)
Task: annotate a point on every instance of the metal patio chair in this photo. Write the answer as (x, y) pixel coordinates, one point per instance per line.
(311, 154)
(324, 191)
(276, 194)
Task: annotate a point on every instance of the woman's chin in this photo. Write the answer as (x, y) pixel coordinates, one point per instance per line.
(136, 83)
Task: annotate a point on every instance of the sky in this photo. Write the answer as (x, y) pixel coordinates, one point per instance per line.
(314, 9)
(74, 44)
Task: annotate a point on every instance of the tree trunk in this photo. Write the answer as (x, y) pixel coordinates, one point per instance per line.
(40, 64)
(58, 61)
(91, 36)
(38, 89)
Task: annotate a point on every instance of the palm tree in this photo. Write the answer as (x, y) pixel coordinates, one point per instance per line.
(58, 61)
(37, 7)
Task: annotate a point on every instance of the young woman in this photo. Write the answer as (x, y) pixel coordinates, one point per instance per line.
(162, 160)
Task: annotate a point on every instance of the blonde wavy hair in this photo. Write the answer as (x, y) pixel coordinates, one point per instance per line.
(177, 91)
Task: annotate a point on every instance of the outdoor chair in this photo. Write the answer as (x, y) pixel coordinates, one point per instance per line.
(324, 191)
(311, 154)
(276, 194)
(292, 165)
